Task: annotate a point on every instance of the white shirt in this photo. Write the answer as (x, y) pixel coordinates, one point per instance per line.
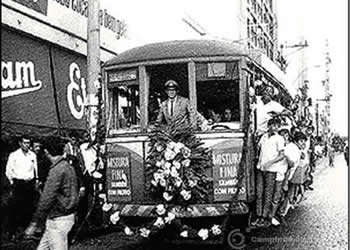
(89, 156)
(292, 154)
(169, 105)
(270, 148)
(263, 116)
(22, 166)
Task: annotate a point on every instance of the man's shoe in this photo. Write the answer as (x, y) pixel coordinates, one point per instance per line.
(255, 222)
(267, 223)
(261, 222)
(275, 222)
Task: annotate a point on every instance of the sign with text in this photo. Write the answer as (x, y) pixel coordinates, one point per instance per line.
(225, 171)
(71, 16)
(118, 177)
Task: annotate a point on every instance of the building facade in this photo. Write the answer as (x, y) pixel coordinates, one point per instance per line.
(44, 63)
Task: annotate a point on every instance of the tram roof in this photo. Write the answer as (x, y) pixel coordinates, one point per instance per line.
(177, 50)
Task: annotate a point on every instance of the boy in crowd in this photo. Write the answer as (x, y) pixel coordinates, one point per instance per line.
(271, 147)
(292, 154)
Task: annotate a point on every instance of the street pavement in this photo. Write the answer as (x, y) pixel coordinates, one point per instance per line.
(319, 222)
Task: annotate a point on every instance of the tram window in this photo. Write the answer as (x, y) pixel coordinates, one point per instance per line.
(159, 74)
(218, 101)
(126, 108)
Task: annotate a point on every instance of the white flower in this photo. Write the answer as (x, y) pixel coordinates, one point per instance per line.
(103, 197)
(184, 234)
(144, 232)
(216, 230)
(173, 172)
(159, 222)
(167, 165)
(186, 194)
(186, 163)
(162, 182)
(154, 183)
(186, 152)
(107, 206)
(159, 164)
(177, 164)
(169, 218)
(158, 176)
(97, 175)
(128, 231)
(115, 217)
(169, 154)
(159, 147)
(160, 209)
(203, 233)
(167, 196)
(178, 181)
(167, 172)
(192, 183)
(171, 145)
(180, 145)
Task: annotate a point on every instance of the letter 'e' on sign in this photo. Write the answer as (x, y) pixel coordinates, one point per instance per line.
(118, 177)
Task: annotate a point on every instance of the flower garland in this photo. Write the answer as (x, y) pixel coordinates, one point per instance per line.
(175, 175)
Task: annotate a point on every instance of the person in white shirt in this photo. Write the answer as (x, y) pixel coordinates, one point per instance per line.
(22, 173)
(292, 153)
(271, 147)
(264, 110)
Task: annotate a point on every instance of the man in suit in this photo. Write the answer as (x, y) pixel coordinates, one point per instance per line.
(175, 111)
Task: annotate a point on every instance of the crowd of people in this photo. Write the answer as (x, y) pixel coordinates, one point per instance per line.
(49, 188)
(286, 160)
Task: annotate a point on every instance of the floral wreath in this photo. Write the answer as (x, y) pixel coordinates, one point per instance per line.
(175, 175)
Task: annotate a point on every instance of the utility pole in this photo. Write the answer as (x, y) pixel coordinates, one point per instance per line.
(328, 94)
(93, 67)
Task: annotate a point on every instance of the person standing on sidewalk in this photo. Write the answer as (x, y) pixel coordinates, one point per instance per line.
(271, 153)
(22, 173)
(58, 202)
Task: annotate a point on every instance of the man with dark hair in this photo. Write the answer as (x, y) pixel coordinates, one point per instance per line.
(271, 146)
(71, 148)
(22, 173)
(58, 202)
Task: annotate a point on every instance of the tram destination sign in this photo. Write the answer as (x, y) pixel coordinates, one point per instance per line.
(118, 177)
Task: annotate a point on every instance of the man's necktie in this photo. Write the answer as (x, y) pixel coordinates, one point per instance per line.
(171, 108)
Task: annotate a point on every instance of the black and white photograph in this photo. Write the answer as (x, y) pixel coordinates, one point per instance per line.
(187, 124)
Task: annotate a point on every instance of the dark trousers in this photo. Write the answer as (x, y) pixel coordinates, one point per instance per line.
(22, 204)
(268, 193)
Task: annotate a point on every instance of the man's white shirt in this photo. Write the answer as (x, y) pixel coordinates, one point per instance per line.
(270, 147)
(171, 101)
(21, 165)
(292, 154)
(263, 115)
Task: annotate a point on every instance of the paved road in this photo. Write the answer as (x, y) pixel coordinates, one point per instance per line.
(320, 221)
